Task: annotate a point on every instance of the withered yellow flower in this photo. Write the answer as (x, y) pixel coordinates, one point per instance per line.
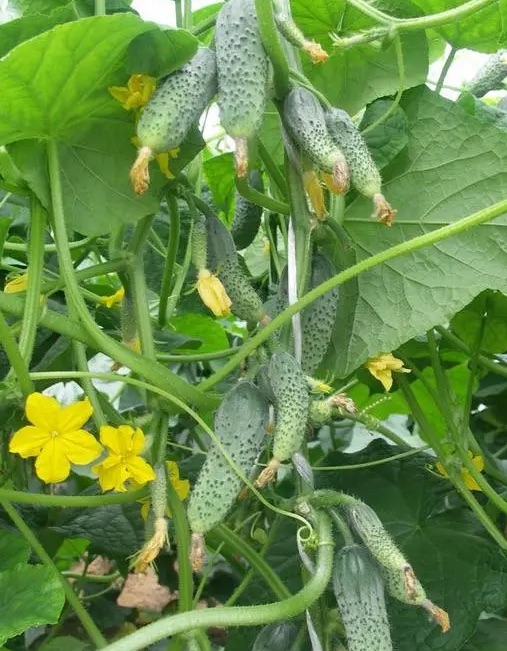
(213, 293)
(113, 299)
(382, 368)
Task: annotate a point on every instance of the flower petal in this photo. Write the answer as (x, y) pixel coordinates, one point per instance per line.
(42, 411)
(28, 441)
(111, 478)
(52, 465)
(79, 447)
(136, 440)
(72, 417)
(111, 439)
(140, 470)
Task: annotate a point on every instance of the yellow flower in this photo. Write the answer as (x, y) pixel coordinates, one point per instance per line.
(471, 483)
(113, 299)
(152, 547)
(382, 367)
(16, 284)
(163, 161)
(55, 437)
(213, 293)
(136, 93)
(124, 445)
(181, 486)
(315, 193)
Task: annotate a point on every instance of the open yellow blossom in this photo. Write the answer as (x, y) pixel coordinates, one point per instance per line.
(16, 284)
(55, 437)
(382, 368)
(213, 293)
(181, 486)
(113, 299)
(124, 445)
(136, 93)
(471, 483)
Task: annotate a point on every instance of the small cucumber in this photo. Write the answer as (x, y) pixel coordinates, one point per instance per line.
(286, 387)
(294, 35)
(359, 590)
(247, 216)
(200, 244)
(306, 122)
(490, 75)
(172, 111)
(240, 424)
(364, 173)
(242, 75)
(317, 320)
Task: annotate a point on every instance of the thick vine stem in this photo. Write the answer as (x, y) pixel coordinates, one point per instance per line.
(71, 501)
(273, 47)
(244, 615)
(18, 364)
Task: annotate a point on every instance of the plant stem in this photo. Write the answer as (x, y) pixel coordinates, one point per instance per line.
(258, 198)
(181, 531)
(150, 369)
(445, 69)
(244, 615)
(271, 42)
(48, 248)
(73, 501)
(197, 357)
(172, 250)
(457, 227)
(204, 25)
(96, 270)
(100, 7)
(18, 364)
(84, 617)
(273, 172)
(187, 14)
(494, 367)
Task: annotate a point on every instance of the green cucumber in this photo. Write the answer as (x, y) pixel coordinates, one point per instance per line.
(359, 590)
(317, 320)
(490, 75)
(295, 36)
(240, 425)
(173, 110)
(200, 244)
(247, 215)
(364, 173)
(306, 122)
(285, 385)
(242, 75)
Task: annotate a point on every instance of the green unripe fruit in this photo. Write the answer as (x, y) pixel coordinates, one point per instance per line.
(490, 75)
(200, 244)
(242, 75)
(305, 120)
(247, 215)
(246, 303)
(359, 591)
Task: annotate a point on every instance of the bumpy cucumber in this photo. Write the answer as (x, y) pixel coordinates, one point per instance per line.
(490, 75)
(317, 320)
(306, 122)
(294, 35)
(172, 111)
(285, 384)
(359, 592)
(200, 244)
(221, 247)
(242, 75)
(240, 424)
(247, 215)
(364, 173)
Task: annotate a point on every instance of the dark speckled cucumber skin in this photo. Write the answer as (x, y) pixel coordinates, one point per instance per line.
(242, 69)
(178, 103)
(490, 75)
(359, 592)
(247, 215)
(364, 173)
(240, 424)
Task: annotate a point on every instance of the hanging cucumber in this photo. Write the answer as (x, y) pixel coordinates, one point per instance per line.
(240, 425)
(317, 320)
(247, 215)
(490, 75)
(294, 35)
(172, 111)
(285, 385)
(242, 75)
(364, 174)
(306, 122)
(359, 590)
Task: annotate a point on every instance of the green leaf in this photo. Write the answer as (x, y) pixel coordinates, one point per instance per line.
(21, 29)
(13, 550)
(486, 316)
(453, 558)
(489, 636)
(451, 168)
(387, 139)
(219, 175)
(64, 643)
(483, 30)
(30, 595)
(5, 222)
(203, 328)
(41, 99)
(474, 106)
(158, 53)
(355, 77)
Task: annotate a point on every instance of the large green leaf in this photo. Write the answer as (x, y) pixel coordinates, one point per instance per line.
(388, 138)
(489, 636)
(30, 595)
(354, 77)
(41, 98)
(21, 29)
(462, 570)
(452, 166)
(200, 327)
(484, 323)
(485, 30)
(219, 175)
(13, 549)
